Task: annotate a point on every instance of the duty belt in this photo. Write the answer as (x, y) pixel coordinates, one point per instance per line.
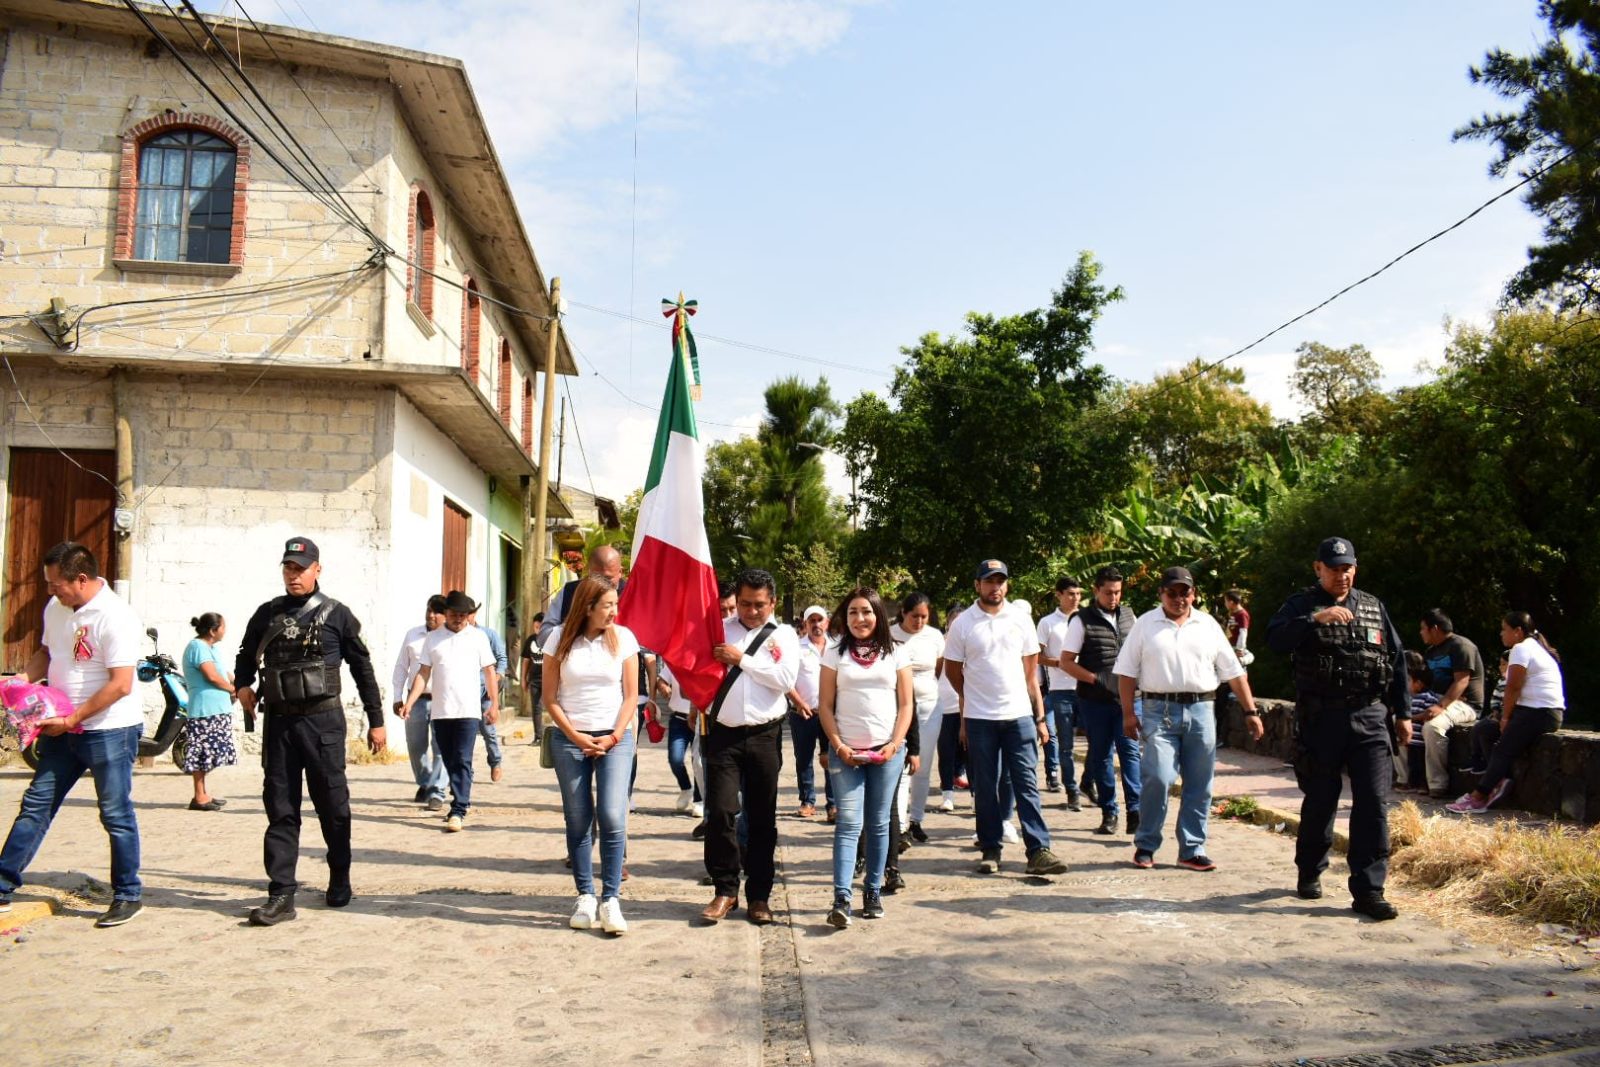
(1181, 698)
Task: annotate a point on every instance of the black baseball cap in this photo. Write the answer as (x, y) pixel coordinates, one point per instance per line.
(1177, 576)
(991, 566)
(301, 551)
(1336, 552)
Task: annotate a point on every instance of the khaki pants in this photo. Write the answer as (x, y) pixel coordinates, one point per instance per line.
(1436, 742)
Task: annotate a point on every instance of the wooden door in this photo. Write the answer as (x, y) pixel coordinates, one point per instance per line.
(457, 526)
(54, 497)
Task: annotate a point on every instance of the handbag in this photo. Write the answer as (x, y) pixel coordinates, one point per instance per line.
(547, 747)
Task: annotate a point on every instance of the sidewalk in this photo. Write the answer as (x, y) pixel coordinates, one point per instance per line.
(456, 948)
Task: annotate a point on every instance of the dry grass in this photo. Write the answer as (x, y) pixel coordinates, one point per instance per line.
(359, 754)
(1548, 875)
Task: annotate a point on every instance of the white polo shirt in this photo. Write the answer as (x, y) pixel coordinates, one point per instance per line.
(765, 676)
(408, 662)
(810, 675)
(455, 662)
(1164, 657)
(85, 645)
(990, 649)
(591, 679)
(1052, 642)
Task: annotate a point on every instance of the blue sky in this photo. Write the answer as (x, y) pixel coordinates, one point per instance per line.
(835, 178)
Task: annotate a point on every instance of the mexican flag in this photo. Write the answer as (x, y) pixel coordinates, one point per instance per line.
(670, 602)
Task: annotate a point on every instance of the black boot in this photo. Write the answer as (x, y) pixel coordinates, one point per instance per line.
(338, 889)
(279, 908)
(1108, 823)
(1133, 822)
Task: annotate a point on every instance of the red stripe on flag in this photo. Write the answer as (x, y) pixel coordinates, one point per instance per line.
(671, 606)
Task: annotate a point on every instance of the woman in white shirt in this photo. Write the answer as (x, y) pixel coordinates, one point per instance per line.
(591, 679)
(922, 645)
(865, 704)
(1533, 705)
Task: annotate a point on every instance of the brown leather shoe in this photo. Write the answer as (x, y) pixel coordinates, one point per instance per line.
(759, 912)
(496, 773)
(807, 810)
(718, 909)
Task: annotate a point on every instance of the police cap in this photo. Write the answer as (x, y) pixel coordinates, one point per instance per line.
(1336, 552)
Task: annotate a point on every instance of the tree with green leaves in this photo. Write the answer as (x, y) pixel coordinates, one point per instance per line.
(1555, 138)
(732, 487)
(795, 510)
(993, 443)
(1340, 387)
(1193, 423)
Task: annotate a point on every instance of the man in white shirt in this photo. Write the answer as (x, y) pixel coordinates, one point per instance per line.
(1061, 697)
(991, 655)
(454, 659)
(89, 652)
(743, 747)
(427, 766)
(805, 729)
(1178, 657)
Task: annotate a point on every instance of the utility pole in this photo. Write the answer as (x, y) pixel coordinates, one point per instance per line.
(541, 501)
(561, 449)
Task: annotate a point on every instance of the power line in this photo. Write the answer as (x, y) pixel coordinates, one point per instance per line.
(46, 433)
(633, 226)
(579, 435)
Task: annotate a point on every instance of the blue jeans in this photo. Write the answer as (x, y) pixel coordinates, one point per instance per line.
(1179, 739)
(679, 737)
(864, 795)
(427, 766)
(456, 739)
(1061, 711)
(806, 735)
(491, 742)
(1013, 744)
(108, 756)
(1103, 721)
(590, 784)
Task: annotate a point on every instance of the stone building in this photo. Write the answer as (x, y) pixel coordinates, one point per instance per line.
(226, 321)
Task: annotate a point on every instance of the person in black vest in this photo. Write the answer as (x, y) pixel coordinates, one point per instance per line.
(291, 651)
(1350, 685)
(1094, 637)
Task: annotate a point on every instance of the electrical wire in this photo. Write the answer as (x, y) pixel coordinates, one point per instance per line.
(121, 500)
(579, 435)
(633, 211)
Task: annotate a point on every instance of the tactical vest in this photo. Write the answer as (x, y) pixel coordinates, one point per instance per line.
(1101, 643)
(294, 667)
(1346, 665)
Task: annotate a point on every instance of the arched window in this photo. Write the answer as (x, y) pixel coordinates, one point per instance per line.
(527, 415)
(471, 319)
(419, 284)
(503, 392)
(185, 212)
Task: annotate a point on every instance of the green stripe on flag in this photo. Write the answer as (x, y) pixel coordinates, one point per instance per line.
(677, 416)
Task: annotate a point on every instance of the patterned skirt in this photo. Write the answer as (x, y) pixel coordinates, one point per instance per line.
(209, 744)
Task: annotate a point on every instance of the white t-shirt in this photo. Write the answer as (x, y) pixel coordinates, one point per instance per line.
(1052, 642)
(1164, 657)
(922, 651)
(591, 679)
(677, 703)
(805, 683)
(1542, 687)
(865, 700)
(85, 645)
(990, 649)
(455, 662)
(1073, 641)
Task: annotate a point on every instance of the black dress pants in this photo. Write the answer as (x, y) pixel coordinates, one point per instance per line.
(310, 747)
(1336, 743)
(747, 757)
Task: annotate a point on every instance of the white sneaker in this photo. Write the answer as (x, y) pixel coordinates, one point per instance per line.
(949, 802)
(583, 912)
(1008, 833)
(453, 824)
(698, 810)
(611, 920)
(685, 798)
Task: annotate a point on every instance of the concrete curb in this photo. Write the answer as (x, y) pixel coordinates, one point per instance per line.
(1271, 817)
(24, 912)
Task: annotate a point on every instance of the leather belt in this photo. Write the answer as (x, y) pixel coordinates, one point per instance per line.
(1181, 698)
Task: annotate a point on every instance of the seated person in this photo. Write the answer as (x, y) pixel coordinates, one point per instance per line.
(1413, 772)
(1486, 731)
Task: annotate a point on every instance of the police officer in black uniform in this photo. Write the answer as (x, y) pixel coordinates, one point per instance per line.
(291, 653)
(1350, 685)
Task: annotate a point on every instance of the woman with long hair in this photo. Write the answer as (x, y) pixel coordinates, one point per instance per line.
(918, 638)
(865, 704)
(208, 729)
(1533, 704)
(591, 677)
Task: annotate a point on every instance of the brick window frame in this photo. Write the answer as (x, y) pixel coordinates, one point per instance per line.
(128, 187)
(503, 391)
(527, 416)
(420, 249)
(471, 326)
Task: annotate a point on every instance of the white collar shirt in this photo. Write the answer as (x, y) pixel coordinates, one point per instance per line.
(85, 645)
(407, 663)
(808, 681)
(991, 650)
(1052, 642)
(1164, 657)
(758, 694)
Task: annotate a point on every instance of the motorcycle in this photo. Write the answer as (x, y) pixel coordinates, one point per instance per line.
(169, 732)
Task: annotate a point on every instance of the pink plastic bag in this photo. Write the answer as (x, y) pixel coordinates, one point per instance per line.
(28, 704)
